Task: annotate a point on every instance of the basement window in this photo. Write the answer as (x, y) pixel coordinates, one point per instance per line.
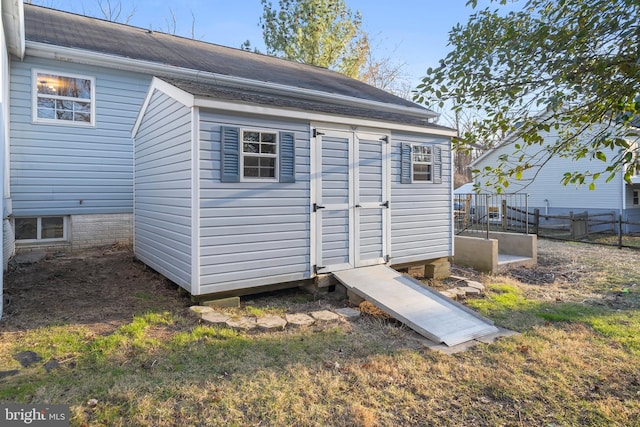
(40, 229)
(63, 99)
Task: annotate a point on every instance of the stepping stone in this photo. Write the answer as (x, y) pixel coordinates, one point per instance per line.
(298, 320)
(324, 316)
(200, 310)
(474, 284)
(271, 323)
(215, 318)
(348, 313)
(458, 292)
(459, 278)
(27, 358)
(51, 365)
(468, 290)
(448, 294)
(29, 257)
(4, 374)
(242, 323)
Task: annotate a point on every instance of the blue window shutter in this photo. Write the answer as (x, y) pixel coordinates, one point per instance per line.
(229, 154)
(437, 165)
(287, 157)
(405, 164)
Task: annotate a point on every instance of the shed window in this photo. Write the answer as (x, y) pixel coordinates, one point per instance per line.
(36, 229)
(421, 163)
(259, 155)
(636, 197)
(67, 99)
(254, 155)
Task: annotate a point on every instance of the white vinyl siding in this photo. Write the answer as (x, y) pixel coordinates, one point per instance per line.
(252, 233)
(163, 204)
(421, 212)
(547, 191)
(66, 170)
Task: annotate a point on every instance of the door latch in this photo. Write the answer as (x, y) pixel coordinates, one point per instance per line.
(316, 207)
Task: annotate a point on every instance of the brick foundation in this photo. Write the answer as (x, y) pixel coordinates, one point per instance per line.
(89, 231)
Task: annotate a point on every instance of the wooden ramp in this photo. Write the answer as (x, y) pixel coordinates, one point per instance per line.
(425, 310)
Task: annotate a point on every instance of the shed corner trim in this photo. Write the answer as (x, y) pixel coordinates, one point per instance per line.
(170, 90)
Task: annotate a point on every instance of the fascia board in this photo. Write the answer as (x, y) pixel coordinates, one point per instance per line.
(309, 116)
(179, 95)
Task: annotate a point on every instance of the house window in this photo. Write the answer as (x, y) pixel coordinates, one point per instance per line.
(636, 197)
(422, 163)
(66, 99)
(259, 155)
(36, 229)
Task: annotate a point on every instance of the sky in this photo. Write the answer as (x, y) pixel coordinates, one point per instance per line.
(410, 32)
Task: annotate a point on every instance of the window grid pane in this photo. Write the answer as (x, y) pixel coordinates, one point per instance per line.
(26, 228)
(259, 154)
(63, 98)
(52, 228)
(422, 157)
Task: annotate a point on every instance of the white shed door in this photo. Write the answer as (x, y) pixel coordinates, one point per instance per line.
(351, 208)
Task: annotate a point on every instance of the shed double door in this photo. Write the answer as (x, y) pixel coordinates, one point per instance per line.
(351, 199)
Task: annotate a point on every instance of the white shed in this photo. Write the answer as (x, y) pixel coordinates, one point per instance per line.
(233, 195)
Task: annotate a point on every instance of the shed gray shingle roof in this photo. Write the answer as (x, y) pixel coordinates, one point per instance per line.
(54, 27)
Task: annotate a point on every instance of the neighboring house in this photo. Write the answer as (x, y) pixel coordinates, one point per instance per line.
(226, 169)
(548, 194)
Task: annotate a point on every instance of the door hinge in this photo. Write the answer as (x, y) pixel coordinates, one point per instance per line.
(316, 207)
(385, 204)
(385, 139)
(316, 133)
(316, 268)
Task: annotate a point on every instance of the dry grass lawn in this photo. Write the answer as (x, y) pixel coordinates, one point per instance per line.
(109, 329)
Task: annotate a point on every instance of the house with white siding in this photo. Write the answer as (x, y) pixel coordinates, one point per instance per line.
(543, 182)
(225, 169)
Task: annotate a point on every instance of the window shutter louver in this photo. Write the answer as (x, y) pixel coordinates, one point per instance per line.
(437, 165)
(287, 157)
(230, 154)
(405, 164)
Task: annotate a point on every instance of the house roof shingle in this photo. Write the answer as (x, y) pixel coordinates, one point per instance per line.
(58, 28)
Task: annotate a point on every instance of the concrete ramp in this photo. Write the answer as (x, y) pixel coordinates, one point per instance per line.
(424, 310)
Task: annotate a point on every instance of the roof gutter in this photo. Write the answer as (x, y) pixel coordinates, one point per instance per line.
(60, 53)
(13, 22)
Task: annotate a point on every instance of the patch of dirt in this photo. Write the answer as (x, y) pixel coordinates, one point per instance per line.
(569, 271)
(557, 262)
(103, 288)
